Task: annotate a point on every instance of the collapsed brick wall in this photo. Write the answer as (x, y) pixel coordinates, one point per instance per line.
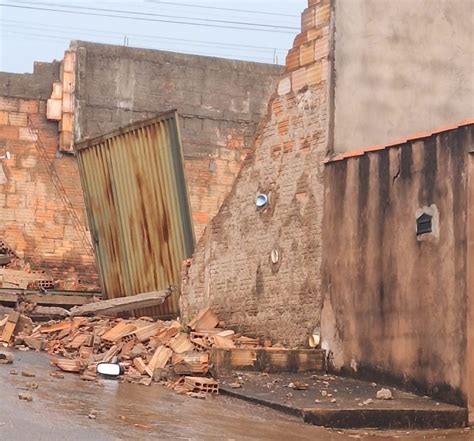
(34, 219)
(220, 103)
(277, 295)
(218, 125)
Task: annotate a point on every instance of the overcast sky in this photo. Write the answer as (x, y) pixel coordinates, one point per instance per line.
(253, 30)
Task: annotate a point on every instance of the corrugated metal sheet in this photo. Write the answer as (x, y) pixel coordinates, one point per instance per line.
(138, 208)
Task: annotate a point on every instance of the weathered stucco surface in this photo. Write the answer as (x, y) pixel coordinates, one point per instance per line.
(470, 290)
(401, 67)
(394, 304)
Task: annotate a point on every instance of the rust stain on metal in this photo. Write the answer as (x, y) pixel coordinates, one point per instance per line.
(138, 208)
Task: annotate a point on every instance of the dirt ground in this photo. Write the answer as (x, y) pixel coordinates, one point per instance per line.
(61, 407)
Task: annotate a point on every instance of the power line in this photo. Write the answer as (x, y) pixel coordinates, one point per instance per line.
(142, 19)
(151, 14)
(92, 32)
(221, 9)
(57, 38)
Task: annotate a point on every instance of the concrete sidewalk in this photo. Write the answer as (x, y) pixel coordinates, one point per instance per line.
(339, 402)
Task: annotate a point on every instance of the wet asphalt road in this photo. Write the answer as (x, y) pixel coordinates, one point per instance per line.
(60, 408)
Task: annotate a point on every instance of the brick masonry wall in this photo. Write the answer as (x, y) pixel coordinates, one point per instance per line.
(232, 268)
(220, 102)
(34, 219)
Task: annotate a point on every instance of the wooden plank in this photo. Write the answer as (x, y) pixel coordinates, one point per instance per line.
(122, 304)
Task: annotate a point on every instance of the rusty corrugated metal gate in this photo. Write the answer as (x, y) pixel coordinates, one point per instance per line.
(138, 208)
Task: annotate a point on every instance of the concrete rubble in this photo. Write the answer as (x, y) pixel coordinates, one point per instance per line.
(16, 273)
(167, 352)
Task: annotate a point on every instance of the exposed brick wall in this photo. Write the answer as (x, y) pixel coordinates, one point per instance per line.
(232, 268)
(34, 219)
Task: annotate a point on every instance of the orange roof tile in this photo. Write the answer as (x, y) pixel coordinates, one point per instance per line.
(415, 136)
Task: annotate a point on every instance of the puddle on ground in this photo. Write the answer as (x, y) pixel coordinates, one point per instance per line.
(135, 412)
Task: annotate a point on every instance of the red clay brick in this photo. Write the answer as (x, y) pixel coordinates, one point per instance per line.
(28, 106)
(321, 48)
(9, 133)
(27, 134)
(322, 15)
(8, 104)
(288, 146)
(293, 59)
(283, 127)
(308, 19)
(17, 119)
(314, 73)
(314, 34)
(306, 54)
(3, 117)
(300, 39)
(298, 79)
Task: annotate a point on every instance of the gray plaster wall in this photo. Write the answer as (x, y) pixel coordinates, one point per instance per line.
(395, 303)
(37, 85)
(217, 98)
(401, 67)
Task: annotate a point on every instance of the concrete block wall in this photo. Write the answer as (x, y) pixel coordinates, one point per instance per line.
(36, 85)
(260, 268)
(34, 219)
(220, 103)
